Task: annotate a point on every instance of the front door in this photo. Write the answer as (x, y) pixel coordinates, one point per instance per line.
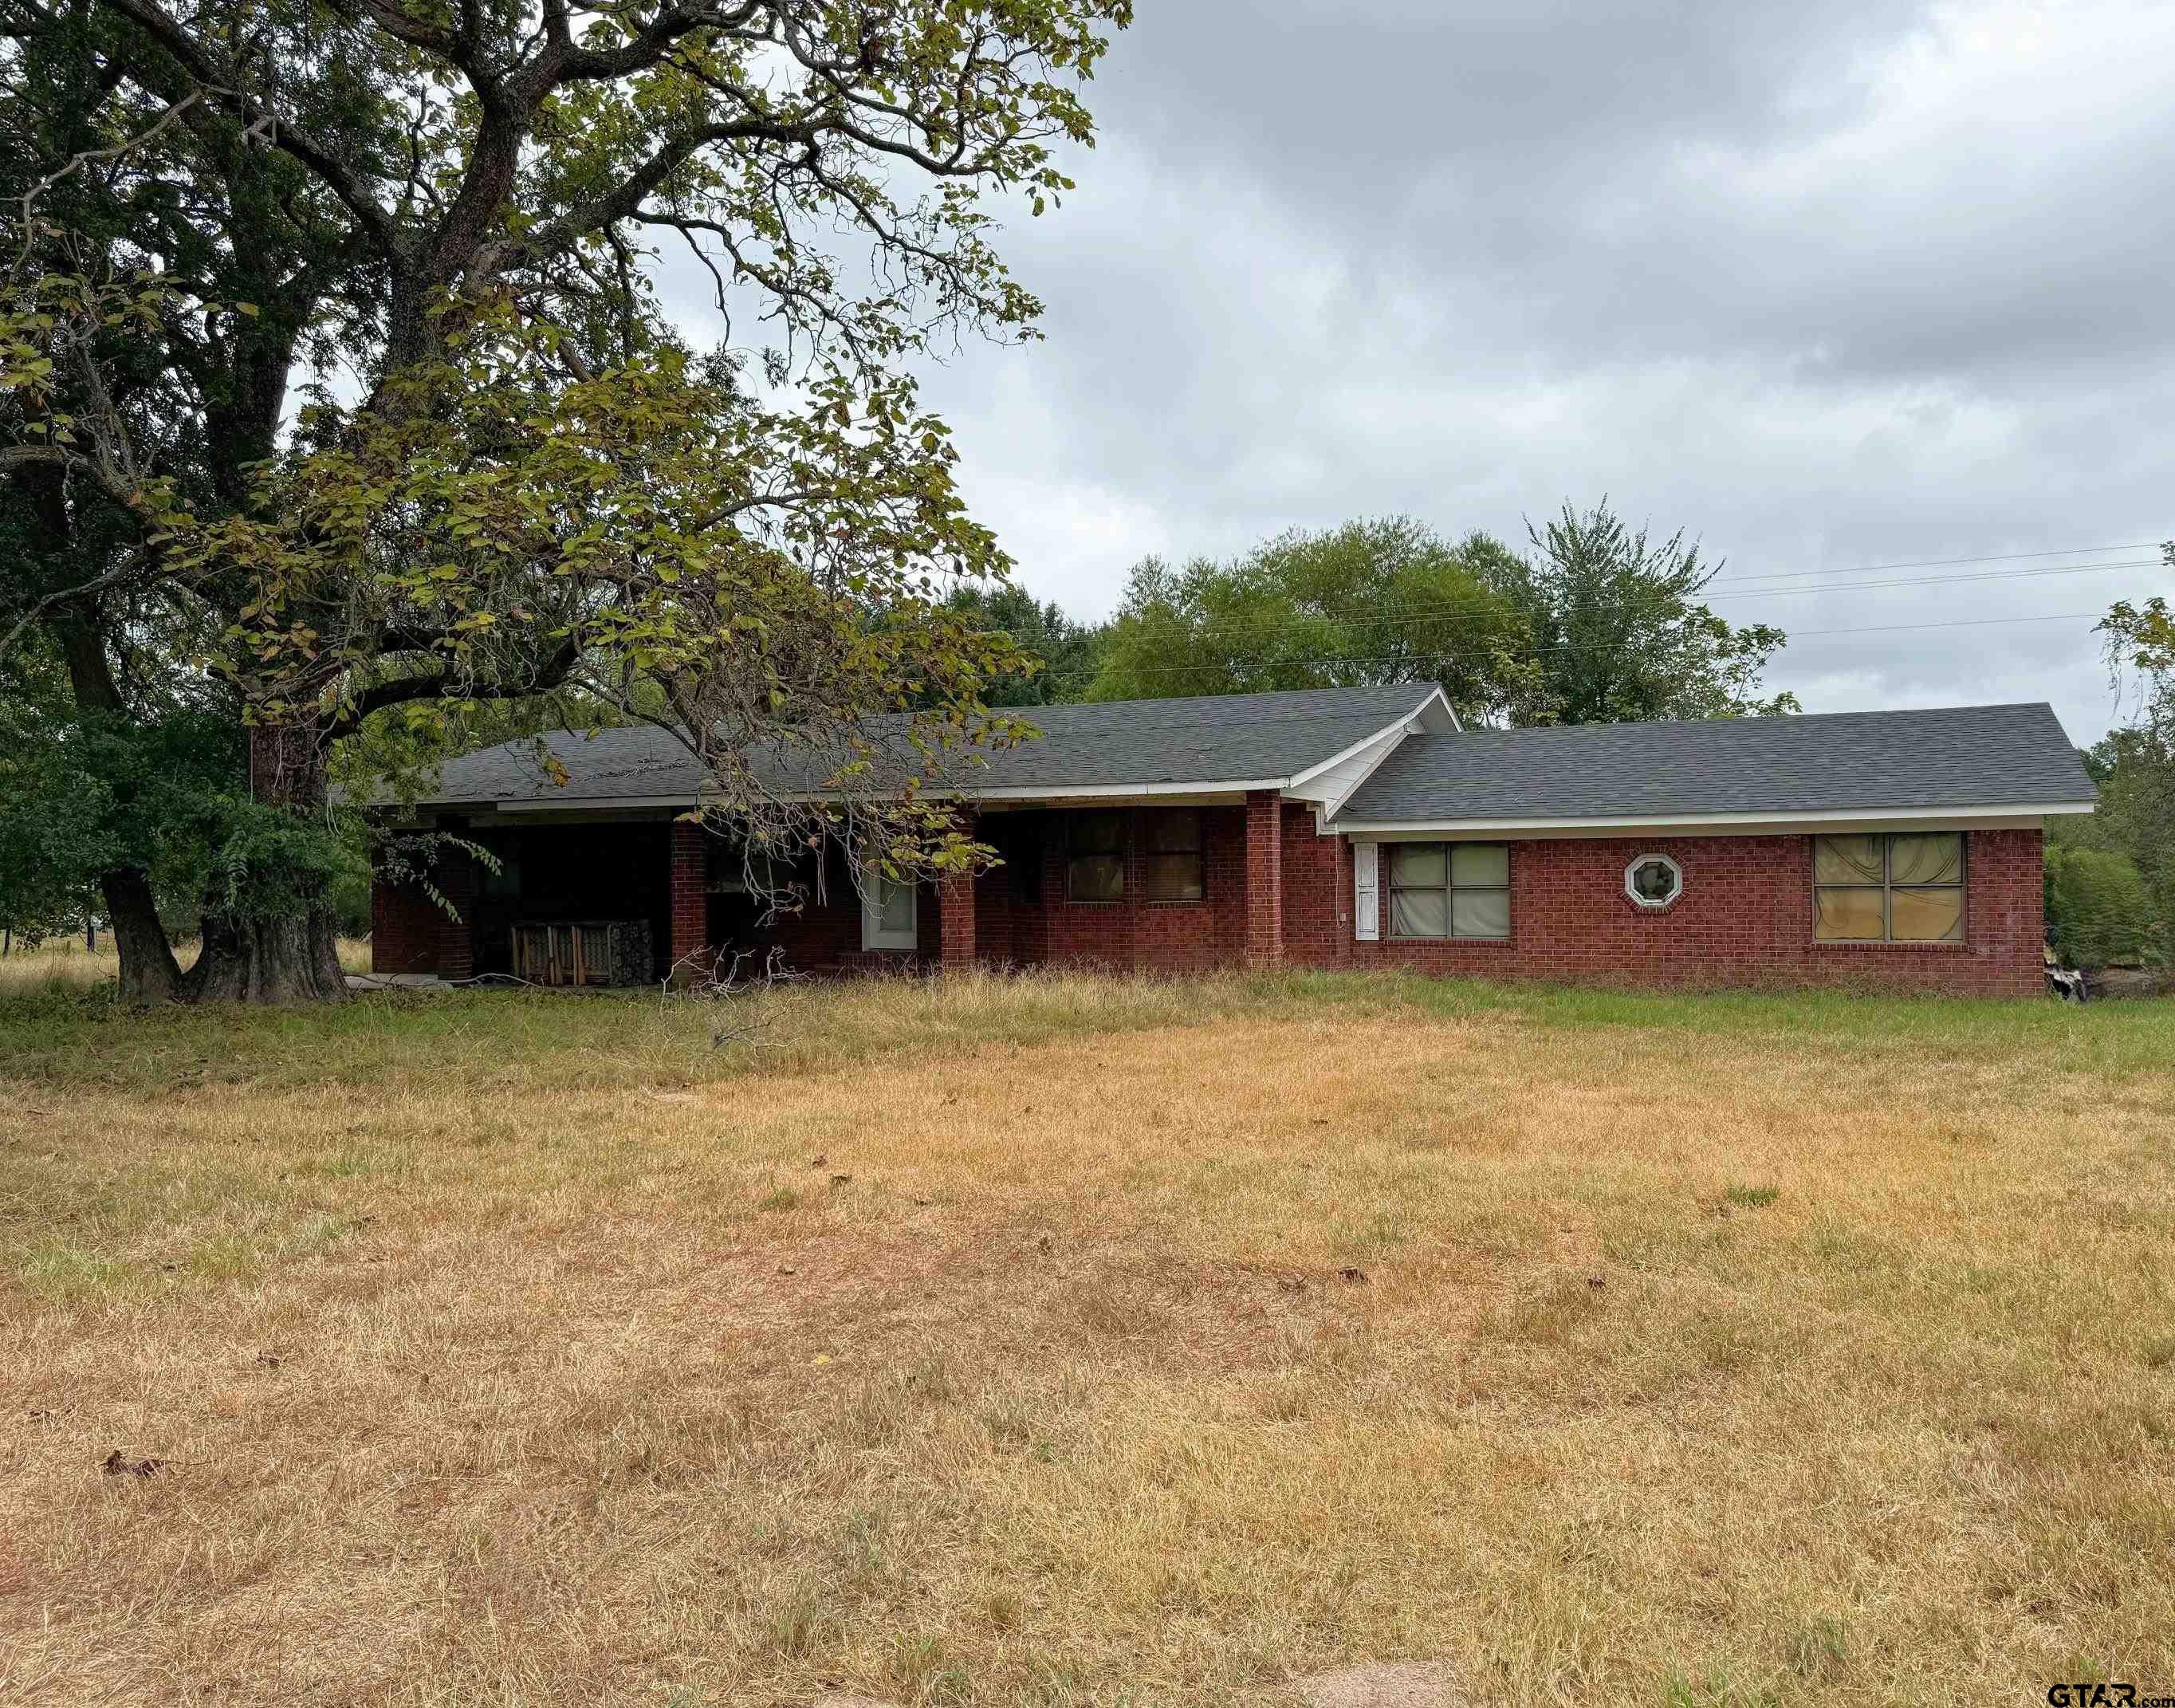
(887, 913)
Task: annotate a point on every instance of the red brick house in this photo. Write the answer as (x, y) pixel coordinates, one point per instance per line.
(1336, 828)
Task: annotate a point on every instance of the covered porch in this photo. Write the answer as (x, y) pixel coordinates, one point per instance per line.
(1166, 881)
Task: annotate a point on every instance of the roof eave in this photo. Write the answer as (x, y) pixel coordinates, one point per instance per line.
(1722, 821)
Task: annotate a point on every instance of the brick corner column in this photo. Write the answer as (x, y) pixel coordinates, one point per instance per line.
(403, 928)
(457, 883)
(1265, 878)
(955, 904)
(688, 883)
(957, 948)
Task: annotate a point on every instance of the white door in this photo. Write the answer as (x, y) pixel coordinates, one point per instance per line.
(1366, 891)
(887, 913)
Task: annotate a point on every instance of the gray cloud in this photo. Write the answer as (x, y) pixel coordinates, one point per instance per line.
(1826, 284)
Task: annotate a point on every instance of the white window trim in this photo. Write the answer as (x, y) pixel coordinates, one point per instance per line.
(1670, 900)
(873, 934)
(1449, 887)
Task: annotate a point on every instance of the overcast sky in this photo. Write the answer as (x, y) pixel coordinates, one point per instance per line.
(1827, 283)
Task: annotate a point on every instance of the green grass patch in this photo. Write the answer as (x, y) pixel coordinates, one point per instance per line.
(523, 1040)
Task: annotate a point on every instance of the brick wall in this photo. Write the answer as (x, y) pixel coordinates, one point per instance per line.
(457, 877)
(1317, 874)
(689, 896)
(825, 935)
(1265, 878)
(404, 929)
(1745, 919)
(1134, 932)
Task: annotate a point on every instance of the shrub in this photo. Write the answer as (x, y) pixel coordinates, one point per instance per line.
(2098, 909)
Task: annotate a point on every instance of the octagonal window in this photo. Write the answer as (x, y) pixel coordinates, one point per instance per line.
(1653, 880)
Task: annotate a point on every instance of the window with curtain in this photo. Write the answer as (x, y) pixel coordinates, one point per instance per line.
(1450, 889)
(1095, 857)
(1900, 888)
(1174, 859)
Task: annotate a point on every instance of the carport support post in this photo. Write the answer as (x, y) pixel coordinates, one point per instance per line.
(690, 888)
(955, 911)
(1265, 878)
(456, 876)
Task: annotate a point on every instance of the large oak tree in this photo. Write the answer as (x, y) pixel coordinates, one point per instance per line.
(338, 379)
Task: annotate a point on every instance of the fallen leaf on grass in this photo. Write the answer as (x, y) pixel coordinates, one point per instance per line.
(842, 1180)
(116, 1465)
(1351, 1272)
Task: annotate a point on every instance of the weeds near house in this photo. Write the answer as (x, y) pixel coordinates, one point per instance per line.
(990, 1341)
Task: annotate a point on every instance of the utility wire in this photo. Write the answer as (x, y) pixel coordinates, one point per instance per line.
(1950, 562)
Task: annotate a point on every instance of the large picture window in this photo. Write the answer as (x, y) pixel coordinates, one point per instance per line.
(1174, 862)
(1889, 889)
(1450, 889)
(1095, 857)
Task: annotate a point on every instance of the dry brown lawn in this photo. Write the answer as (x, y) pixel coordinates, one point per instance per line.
(1064, 1340)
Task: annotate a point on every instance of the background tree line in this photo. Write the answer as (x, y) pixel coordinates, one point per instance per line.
(2111, 876)
(1593, 623)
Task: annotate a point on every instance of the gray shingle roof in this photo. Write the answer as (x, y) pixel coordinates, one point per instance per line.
(633, 764)
(1215, 739)
(1965, 755)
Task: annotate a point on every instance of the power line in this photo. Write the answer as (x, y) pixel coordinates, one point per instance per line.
(1950, 562)
(1439, 656)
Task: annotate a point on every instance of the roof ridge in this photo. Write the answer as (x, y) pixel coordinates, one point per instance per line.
(1769, 719)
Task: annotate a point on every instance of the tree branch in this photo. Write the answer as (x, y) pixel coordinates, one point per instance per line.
(262, 124)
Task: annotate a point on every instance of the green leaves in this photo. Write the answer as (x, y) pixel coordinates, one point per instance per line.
(1617, 634)
(1372, 602)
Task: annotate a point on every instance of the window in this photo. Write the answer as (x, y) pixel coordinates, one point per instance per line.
(887, 913)
(1450, 889)
(1174, 863)
(1653, 880)
(1889, 889)
(1095, 858)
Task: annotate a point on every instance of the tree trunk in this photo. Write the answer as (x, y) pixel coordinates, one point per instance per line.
(245, 959)
(149, 972)
(287, 957)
